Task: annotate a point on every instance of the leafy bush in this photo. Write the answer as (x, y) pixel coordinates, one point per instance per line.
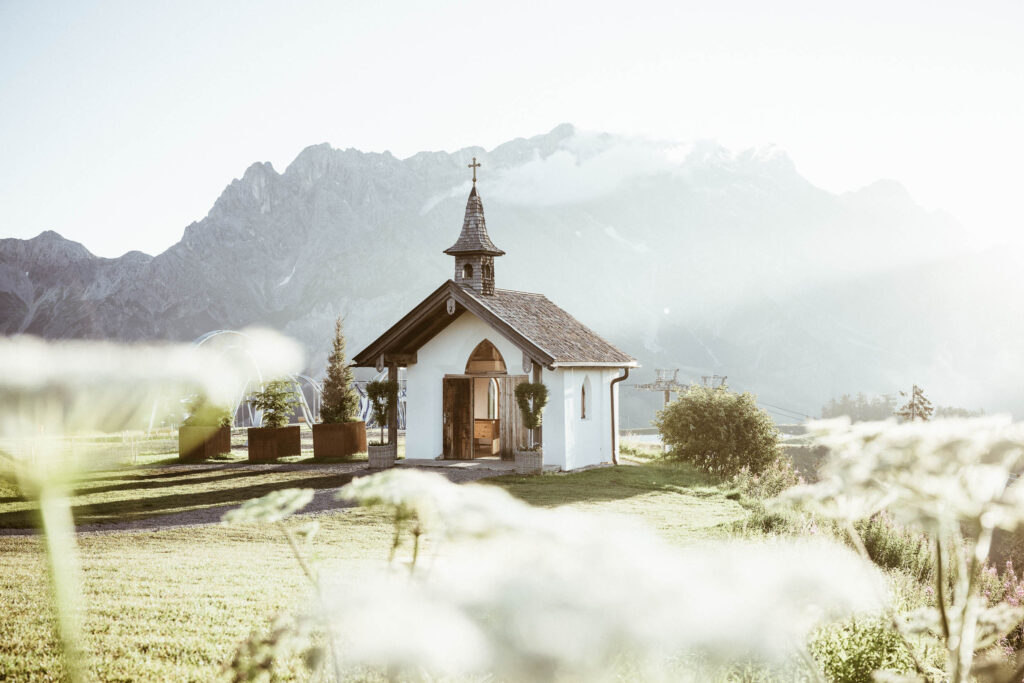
(276, 399)
(773, 480)
(852, 652)
(719, 431)
(893, 546)
(383, 395)
(202, 413)
(339, 402)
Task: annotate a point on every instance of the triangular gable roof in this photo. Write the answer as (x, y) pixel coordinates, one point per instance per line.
(539, 328)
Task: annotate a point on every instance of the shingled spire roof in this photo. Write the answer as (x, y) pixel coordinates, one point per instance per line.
(474, 238)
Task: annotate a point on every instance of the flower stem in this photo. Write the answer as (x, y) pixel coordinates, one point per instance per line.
(315, 581)
(65, 574)
(940, 588)
(969, 629)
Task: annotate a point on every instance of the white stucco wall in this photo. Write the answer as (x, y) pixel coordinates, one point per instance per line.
(554, 436)
(587, 441)
(445, 354)
(569, 442)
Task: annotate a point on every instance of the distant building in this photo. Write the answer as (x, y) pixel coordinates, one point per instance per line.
(467, 346)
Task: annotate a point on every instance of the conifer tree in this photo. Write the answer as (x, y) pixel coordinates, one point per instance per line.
(917, 407)
(277, 399)
(339, 402)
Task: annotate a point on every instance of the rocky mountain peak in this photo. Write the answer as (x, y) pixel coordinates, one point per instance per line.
(48, 246)
(676, 252)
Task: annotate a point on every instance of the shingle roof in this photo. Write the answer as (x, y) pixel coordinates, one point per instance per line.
(565, 339)
(474, 238)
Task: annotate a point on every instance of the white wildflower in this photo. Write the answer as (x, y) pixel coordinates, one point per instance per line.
(273, 507)
(535, 594)
(935, 474)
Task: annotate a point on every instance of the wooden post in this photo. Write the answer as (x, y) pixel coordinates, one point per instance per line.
(538, 433)
(393, 418)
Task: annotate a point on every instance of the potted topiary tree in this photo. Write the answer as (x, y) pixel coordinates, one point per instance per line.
(383, 397)
(206, 431)
(531, 399)
(340, 433)
(274, 439)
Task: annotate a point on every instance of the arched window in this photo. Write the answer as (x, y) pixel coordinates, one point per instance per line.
(492, 399)
(486, 271)
(584, 394)
(467, 271)
(485, 359)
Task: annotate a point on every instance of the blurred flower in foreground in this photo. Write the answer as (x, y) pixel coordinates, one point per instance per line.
(935, 474)
(271, 508)
(956, 479)
(53, 390)
(50, 390)
(526, 593)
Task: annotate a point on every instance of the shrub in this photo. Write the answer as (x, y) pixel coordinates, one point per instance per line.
(773, 480)
(852, 652)
(275, 399)
(202, 413)
(893, 546)
(383, 395)
(339, 401)
(719, 431)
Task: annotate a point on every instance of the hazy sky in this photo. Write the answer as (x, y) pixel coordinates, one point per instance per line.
(121, 122)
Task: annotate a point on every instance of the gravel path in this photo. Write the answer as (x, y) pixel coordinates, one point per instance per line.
(323, 499)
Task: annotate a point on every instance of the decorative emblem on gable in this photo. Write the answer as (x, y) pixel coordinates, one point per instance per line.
(527, 364)
(450, 306)
(380, 363)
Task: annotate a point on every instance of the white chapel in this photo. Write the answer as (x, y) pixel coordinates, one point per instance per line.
(469, 344)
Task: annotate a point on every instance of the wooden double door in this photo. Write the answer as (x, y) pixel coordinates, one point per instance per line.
(458, 415)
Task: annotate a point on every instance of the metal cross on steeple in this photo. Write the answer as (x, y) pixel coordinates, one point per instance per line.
(474, 166)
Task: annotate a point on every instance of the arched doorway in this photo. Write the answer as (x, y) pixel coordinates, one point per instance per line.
(479, 415)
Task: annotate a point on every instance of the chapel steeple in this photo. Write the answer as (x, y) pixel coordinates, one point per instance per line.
(474, 252)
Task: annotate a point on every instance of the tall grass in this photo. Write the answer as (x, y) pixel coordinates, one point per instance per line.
(894, 546)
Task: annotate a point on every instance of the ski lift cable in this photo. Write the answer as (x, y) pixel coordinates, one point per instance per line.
(788, 410)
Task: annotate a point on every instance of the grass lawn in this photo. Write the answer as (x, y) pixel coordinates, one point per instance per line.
(173, 604)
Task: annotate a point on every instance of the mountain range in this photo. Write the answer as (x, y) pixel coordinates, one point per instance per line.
(686, 256)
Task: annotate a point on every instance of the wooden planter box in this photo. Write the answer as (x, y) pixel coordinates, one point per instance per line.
(271, 443)
(382, 457)
(529, 462)
(341, 440)
(200, 443)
